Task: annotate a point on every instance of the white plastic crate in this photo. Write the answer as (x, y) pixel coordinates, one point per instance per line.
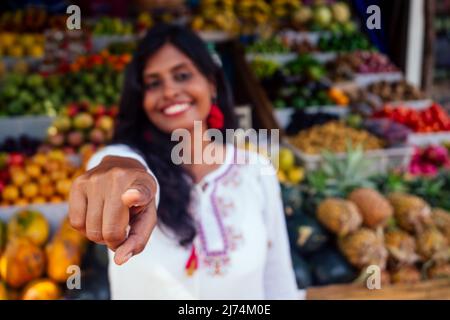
(54, 213)
(424, 139)
(365, 79)
(382, 160)
(33, 126)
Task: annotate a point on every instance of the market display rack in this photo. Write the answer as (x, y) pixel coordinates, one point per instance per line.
(424, 290)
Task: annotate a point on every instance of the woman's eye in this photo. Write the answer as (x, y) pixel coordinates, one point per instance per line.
(152, 85)
(183, 76)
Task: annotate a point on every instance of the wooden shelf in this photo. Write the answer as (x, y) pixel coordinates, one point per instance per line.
(425, 290)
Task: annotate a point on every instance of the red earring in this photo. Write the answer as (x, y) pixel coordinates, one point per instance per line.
(215, 118)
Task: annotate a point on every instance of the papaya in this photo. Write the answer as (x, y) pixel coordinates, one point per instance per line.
(21, 262)
(2, 237)
(3, 291)
(66, 231)
(62, 252)
(30, 224)
(42, 289)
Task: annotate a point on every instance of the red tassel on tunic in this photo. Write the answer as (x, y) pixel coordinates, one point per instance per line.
(192, 263)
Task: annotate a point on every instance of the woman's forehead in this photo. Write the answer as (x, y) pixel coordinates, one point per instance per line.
(167, 58)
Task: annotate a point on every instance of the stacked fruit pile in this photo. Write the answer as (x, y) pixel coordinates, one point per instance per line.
(414, 234)
(21, 45)
(431, 119)
(95, 78)
(339, 224)
(42, 178)
(34, 266)
(334, 136)
(300, 83)
(31, 19)
(429, 160)
(344, 67)
(344, 42)
(335, 18)
(216, 15)
(289, 172)
(82, 125)
(111, 26)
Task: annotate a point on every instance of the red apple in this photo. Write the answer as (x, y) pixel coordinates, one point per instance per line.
(56, 140)
(97, 136)
(106, 123)
(16, 159)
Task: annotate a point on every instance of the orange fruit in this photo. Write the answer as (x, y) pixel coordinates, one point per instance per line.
(46, 190)
(52, 166)
(19, 177)
(10, 193)
(40, 159)
(39, 200)
(57, 155)
(56, 199)
(21, 202)
(33, 170)
(63, 187)
(58, 175)
(42, 289)
(43, 180)
(30, 190)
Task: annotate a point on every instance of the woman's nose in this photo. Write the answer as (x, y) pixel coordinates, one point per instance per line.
(169, 90)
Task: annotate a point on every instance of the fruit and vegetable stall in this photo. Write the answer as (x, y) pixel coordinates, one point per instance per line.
(364, 163)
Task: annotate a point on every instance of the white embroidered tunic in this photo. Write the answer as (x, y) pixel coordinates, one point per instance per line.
(241, 245)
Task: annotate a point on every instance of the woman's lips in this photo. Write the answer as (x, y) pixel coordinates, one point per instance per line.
(175, 109)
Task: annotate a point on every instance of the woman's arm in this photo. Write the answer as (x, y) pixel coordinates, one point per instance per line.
(114, 202)
(279, 278)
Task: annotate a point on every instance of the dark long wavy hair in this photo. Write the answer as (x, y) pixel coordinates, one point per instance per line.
(134, 128)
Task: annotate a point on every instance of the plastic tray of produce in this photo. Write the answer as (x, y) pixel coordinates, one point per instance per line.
(215, 36)
(54, 213)
(279, 58)
(101, 42)
(412, 104)
(423, 139)
(283, 116)
(365, 79)
(283, 58)
(33, 126)
(313, 37)
(382, 160)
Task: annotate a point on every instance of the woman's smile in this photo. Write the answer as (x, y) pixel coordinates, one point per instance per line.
(175, 109)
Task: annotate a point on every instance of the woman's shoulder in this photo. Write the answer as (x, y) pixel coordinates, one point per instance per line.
(253, 161)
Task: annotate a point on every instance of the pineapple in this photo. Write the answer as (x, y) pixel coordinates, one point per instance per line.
(373, 206)
(431, 243)
(401, 247)
(339, 216)
(406, 274)
(441, 219)
(363, 248)
(411, 213)
(338, 176)
(439, 271)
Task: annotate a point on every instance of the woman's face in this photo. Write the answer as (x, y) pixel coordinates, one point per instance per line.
(177, 93)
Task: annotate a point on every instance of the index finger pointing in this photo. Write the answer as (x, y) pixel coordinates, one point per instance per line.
(141, 227)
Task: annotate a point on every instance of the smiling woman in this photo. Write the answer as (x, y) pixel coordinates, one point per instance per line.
(221, 232)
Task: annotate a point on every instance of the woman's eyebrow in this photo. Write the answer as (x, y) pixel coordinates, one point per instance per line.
(174, 68)
(179, 66)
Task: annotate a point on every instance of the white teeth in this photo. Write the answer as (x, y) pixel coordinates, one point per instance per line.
(176, 108)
